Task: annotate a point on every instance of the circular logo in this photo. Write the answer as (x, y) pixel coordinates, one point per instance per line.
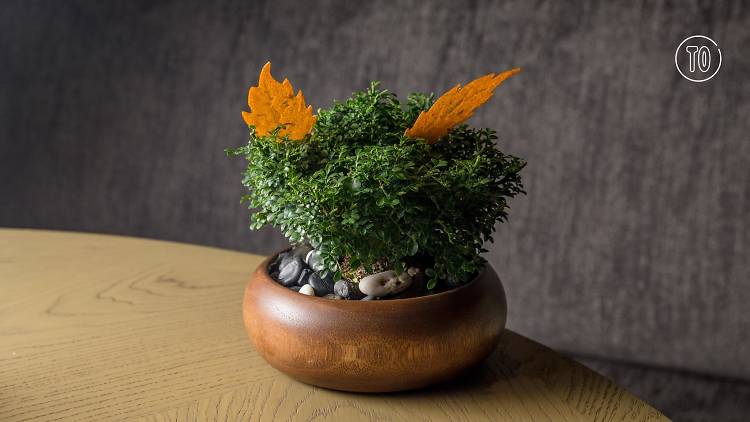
(698, 58)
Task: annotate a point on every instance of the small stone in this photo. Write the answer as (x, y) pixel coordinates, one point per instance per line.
(417, 287)
(418, 276)
(347, 289)
(276, 263)
(314, 260)
(369, 298)
(452, 281)
(289, 271)
(333, 296)
(307, 290)
(327, 277)
(301, 250)
(295, 288)
(304, 276)
(400, 283)
(283, 259)
(273, 266)
(375, 284)
(322, 286)
(385, 283)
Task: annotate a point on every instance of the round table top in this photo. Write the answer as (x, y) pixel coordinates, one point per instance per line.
(98, 327)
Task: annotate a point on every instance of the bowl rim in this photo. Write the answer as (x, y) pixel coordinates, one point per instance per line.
(263, 270)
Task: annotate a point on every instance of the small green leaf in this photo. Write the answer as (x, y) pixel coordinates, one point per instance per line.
(413, 247)
(431, 283)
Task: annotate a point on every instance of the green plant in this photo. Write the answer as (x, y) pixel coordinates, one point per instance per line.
(358, 188)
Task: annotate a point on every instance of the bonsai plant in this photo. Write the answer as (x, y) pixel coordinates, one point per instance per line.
(374, 186)
(383, 201)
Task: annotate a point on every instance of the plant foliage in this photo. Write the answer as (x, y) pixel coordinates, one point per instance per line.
(358, 187)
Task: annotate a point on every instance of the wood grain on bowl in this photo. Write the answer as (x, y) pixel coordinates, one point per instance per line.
(374, 346)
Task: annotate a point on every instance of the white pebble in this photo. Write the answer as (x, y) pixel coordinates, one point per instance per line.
(374, 284)
(385, 283)
(399, 284)
(307, 290)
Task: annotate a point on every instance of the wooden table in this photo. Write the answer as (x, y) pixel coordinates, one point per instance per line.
(96, 327)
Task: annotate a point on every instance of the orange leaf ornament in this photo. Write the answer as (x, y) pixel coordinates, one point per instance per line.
(273, 103)
(456, 106)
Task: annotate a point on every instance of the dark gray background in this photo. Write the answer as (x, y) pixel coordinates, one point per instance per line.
(632, 248)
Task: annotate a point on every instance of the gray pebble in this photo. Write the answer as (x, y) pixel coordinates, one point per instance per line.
(301, 250)
(284, 259)
(295, 288)
(322, 286)
(333, 296)
(369, 298)
(452, 281)
(276, 263)
(347, 289)
(290, 270)
(313, 259)
(327, 276)
(304, 276)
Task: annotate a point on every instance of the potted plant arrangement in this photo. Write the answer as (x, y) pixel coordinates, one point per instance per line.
(387, 207)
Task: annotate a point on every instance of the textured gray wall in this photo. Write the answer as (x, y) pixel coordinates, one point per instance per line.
(632, 244)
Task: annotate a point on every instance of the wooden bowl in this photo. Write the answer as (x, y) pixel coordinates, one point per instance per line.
(374, 346)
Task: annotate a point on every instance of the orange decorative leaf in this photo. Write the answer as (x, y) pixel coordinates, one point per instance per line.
(456, 106)
(273, 103)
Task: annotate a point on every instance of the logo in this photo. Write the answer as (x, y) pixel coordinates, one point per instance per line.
(698, 58)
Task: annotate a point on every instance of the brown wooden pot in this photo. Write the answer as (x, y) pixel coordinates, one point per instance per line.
(374, 346)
